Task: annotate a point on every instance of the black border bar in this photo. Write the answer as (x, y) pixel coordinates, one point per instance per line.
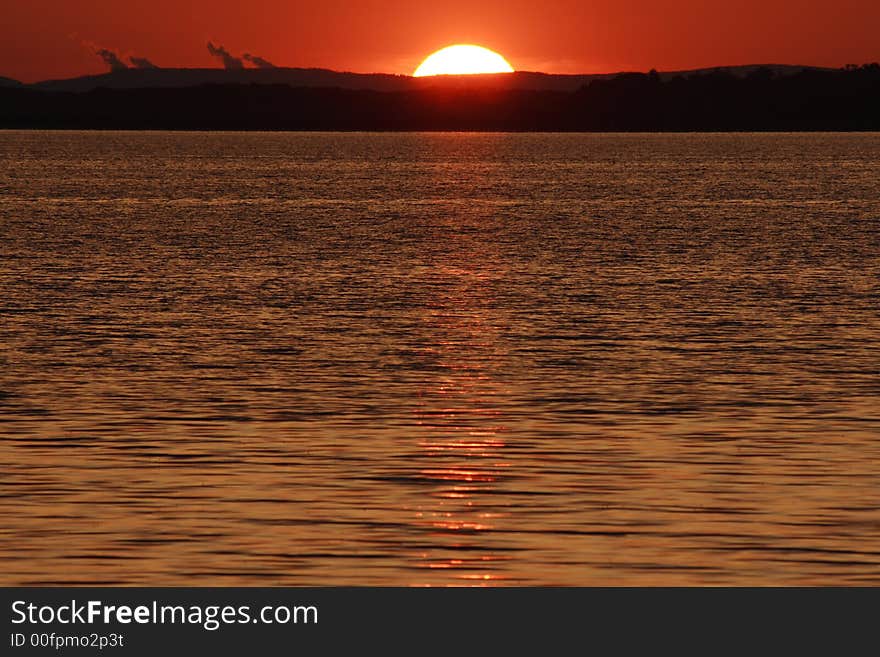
(463, 621)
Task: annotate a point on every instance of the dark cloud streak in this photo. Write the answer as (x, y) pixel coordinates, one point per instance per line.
(259, 62)
(111, 59)
(230, 63)
(141, 62)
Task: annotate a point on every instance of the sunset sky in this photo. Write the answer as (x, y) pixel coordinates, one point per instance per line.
(44, 39)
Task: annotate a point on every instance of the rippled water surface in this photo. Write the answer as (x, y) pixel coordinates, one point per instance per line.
(432, 359)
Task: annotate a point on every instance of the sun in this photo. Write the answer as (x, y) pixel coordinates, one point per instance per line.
(463, 59)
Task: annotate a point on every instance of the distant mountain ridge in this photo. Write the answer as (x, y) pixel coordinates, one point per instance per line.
(722, 99)
(315, 77)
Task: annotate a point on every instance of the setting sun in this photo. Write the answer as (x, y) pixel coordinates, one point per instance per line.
(463, 60)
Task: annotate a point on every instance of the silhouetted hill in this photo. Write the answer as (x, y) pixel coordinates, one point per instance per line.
(133, 78)
(9, 82)
(192, 77)
(761, 99)
(301, 77)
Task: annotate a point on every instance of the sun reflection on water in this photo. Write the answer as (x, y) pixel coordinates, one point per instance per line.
(462, 428)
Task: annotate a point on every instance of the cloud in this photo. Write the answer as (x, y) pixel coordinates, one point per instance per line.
(230, 63)
(259, 62)
(141, 62)
(111, 59)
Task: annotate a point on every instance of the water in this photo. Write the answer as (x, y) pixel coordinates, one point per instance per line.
(433, 359)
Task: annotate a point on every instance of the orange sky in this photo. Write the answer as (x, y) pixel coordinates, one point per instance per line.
(45, 38)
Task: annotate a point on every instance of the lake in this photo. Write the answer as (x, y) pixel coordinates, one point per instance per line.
(439, 359)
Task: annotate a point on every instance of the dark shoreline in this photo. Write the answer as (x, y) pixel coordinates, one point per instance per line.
(844, 100)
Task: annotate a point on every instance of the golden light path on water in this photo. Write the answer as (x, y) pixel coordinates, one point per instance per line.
(466, 434)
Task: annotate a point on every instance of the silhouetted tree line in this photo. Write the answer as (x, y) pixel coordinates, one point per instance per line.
(845, 99)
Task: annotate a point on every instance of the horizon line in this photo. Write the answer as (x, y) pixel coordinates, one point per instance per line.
(257, 70)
